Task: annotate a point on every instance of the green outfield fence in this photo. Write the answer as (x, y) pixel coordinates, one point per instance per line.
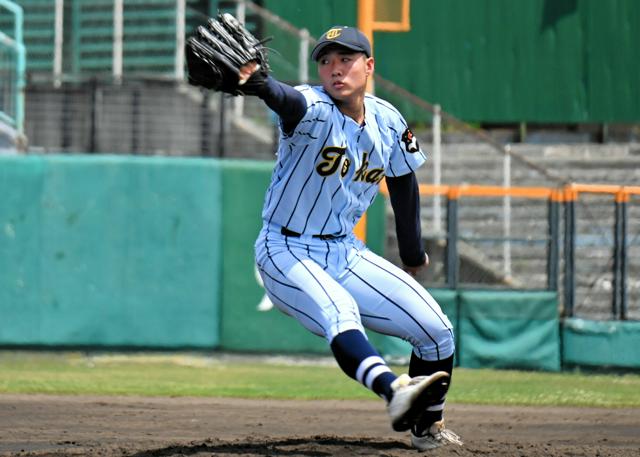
(12, 65)
(109, 251)
(154, 252)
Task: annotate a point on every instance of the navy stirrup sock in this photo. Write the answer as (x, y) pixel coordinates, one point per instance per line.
(419, 367)
(360, 361)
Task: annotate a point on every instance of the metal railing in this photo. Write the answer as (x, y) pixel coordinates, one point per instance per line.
(12, 69)
(621, 243)
(561, 248)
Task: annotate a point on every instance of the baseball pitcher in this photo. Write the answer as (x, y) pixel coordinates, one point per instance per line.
(337, 144)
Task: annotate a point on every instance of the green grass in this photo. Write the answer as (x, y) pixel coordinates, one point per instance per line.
(185, 375)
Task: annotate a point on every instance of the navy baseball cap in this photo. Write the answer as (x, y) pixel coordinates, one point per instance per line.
(342, 35)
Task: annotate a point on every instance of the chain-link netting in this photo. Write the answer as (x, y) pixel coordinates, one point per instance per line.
(632, 253)
(143, 116)
(594, 243)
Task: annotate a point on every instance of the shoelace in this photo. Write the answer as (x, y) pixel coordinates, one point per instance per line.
(447, 436)
(442, 435)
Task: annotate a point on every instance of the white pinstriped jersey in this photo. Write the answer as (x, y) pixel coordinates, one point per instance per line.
(328, 171)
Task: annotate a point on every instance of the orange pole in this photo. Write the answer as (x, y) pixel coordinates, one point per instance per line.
(365, 24)
(497, 191)
(556, 195)
(622, 196)
(635, 190)
(366, 11)
(596, 188)
(360, 230)
(432, 189)
(570, 194)
(570, 191)
(455, 192)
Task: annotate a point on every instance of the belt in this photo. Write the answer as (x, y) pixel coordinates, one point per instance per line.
(286, 232)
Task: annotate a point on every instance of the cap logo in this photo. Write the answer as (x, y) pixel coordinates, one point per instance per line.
(333, 34)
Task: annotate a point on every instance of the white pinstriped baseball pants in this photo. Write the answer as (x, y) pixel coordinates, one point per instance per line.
(337, 285)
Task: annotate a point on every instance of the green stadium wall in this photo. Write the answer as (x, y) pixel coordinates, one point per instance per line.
(503, 60)
(514, 329)
(608, 344)
(151, 252)
(109, 251)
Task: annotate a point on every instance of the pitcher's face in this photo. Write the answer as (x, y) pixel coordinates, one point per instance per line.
(344, 73)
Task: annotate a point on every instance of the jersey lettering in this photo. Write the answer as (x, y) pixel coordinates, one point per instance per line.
(331, 162)
(363, 173)
(345, 167)
(374, 176)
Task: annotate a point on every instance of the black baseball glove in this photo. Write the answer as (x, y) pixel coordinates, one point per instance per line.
(216, 53)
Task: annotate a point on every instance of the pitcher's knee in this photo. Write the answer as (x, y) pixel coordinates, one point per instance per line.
(342, 322)
(439, 345)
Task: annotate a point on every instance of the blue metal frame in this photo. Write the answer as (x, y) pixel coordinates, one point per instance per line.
(17, 42)
(451, 251)
(619, 304)
(569, 257)
(553, 246)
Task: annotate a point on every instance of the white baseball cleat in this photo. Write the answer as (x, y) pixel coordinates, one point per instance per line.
(434, 437)
(411, 396)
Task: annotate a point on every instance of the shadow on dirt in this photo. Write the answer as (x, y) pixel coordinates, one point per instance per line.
(314, 446)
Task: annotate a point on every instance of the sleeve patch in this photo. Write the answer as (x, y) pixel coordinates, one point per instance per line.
(410, 141)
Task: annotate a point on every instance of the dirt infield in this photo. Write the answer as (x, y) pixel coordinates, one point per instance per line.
(39, 425)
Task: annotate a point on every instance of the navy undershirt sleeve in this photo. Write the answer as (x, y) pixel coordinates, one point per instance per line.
(405, 201)
(285, 101)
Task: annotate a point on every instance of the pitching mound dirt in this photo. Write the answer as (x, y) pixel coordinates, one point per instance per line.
(39, 425)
